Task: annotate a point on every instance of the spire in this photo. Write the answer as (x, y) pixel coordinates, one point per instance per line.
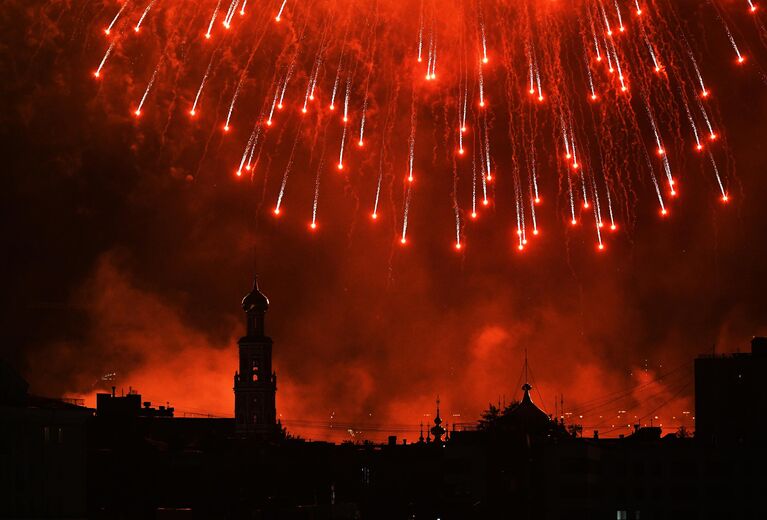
(420, 436)
(255, 304)
(526, 380)
(438, 431)
(526, 389)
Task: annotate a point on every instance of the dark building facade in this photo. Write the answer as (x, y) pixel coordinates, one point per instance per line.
(43, 453)
(731, 396)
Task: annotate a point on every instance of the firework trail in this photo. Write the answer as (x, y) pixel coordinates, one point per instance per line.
(212, 20)
(278, 206)
(740, 57)
(719, 183)
(410, 164)
(108, 30)
(567, 56)
(104, 60)
(231, 106)
(146, 92)
(143, 15)
(279, 13)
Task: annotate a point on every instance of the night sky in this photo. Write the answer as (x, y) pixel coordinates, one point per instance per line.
(129, 245)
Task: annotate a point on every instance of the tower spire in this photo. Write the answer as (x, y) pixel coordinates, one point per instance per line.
(437, 430)
(255, 304)
(255, 384)
(526, 380)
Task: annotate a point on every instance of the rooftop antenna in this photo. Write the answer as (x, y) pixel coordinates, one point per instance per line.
(526, 381)
(562, 406)
(255, 260)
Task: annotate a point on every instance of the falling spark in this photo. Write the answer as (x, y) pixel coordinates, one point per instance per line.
(362, 123)
(621, 28)
(278, 206)
(279, 13)
(193, 111)
(725, 197)
(231, 106)
(143, 15)
(146, 92)
(117, 17)
(213, 19)
(104, 60)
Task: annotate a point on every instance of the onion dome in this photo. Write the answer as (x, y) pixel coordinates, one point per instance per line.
(255, 300)
(437, 430)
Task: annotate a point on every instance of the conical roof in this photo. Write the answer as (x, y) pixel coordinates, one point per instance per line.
(526, 415)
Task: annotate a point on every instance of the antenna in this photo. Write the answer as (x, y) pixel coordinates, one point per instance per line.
(526, 381)
(562, 406)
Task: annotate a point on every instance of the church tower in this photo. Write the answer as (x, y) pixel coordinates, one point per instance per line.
(255, 385)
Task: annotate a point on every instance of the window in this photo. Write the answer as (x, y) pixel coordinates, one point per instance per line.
(622, 515)
(254, 370)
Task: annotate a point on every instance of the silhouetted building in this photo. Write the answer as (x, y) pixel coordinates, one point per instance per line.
(525, 417)
(111, 406)
(255, 384)
(130, 460)
(43, 453)
(731, 396)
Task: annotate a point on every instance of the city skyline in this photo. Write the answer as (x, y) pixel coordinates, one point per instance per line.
(129, 247)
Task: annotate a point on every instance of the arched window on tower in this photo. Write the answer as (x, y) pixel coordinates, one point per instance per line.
(254, 370)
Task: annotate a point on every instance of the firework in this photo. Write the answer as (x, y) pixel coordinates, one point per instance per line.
(592, 80)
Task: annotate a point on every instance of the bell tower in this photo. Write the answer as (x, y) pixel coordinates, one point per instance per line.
(255, 385)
